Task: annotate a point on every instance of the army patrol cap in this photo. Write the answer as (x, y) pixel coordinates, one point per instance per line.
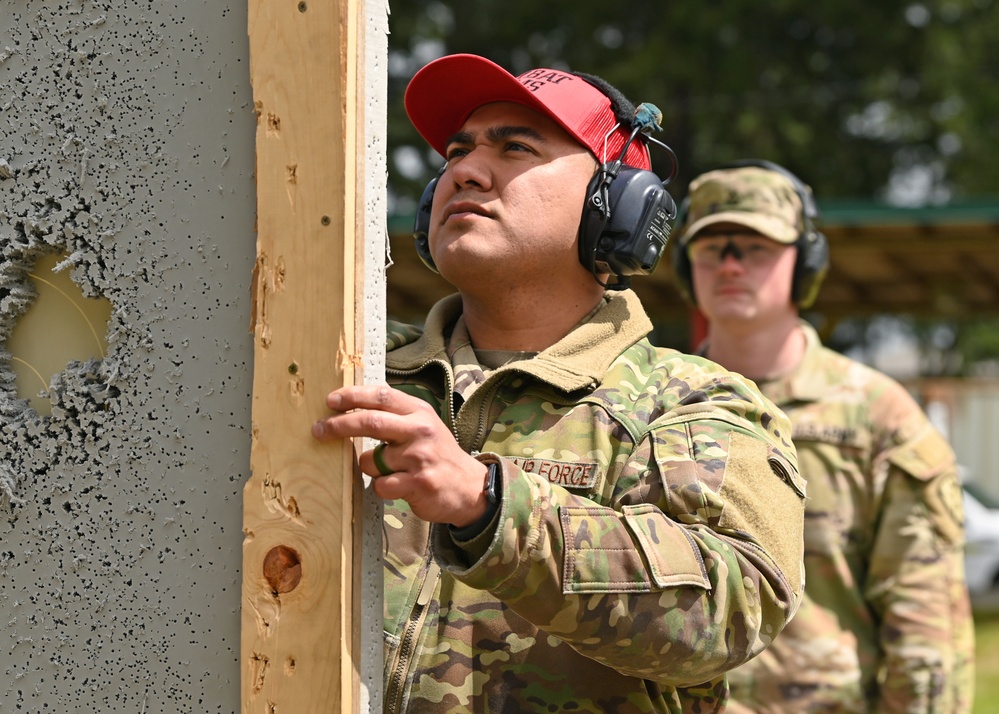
(445, 92)
(751, 196)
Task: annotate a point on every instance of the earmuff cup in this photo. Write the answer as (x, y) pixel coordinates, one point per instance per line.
(421, 226)
(625, 224)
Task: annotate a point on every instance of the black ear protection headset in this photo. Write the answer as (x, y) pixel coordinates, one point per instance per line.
(812, 260)
(625, 224)
(626, 218)
(421, 227)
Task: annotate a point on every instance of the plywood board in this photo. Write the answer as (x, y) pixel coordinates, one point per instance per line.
(299, 634)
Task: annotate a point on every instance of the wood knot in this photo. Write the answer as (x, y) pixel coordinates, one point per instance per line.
(282, 569)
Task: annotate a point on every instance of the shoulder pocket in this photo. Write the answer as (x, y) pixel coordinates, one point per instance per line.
(929, 460)
(638, 550)
(925, 456)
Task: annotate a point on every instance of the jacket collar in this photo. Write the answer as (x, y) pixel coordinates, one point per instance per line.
(577, 361)
(807, 382)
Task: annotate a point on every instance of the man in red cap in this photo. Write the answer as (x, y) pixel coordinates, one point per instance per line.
(575, 520)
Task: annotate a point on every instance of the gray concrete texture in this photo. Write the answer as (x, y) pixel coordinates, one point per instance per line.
(126, 142)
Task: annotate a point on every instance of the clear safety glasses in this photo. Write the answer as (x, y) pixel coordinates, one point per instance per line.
(750, 250)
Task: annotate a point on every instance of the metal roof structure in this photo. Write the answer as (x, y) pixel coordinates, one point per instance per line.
(933, 261)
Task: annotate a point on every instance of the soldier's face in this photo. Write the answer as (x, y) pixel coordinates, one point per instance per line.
(510, 201)
(741, 276)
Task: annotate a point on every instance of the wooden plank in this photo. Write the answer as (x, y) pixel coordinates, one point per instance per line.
(299, 632)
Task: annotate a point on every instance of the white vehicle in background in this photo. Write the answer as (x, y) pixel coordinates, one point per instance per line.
(981, 552)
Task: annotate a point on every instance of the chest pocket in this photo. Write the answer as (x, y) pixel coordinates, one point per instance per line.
(834, 455)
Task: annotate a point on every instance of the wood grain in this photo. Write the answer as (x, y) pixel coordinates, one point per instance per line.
(299, 639)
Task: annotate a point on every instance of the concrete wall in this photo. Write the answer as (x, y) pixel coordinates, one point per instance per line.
(127, 142)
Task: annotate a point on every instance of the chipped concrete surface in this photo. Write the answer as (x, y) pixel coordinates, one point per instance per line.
(126, 141)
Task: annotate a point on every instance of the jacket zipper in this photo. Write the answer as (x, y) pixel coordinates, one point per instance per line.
(480, 433)
(407, 645)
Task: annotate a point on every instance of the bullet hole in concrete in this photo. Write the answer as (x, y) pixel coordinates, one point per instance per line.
(60, 327)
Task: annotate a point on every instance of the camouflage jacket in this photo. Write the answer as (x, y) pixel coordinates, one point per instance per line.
(885, 625)
(636, 556)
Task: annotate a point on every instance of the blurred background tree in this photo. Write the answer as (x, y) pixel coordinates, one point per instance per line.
(890, 101)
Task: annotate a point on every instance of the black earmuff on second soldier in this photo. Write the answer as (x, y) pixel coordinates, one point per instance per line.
(812, 260)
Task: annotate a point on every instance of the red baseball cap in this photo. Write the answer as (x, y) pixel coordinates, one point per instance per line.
(445, 92)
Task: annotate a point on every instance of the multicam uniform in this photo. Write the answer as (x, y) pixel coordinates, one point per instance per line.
(885, 624)
(636, 556)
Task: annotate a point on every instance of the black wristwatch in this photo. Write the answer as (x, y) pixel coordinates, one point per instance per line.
(492, 491)
(492, 487)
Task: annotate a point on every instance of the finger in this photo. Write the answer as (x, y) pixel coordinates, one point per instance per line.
(367, 463)
(388, 488)
(381, 465)
(380, 397)
(380, 425)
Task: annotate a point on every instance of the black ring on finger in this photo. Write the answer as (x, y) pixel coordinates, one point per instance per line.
(379, 459)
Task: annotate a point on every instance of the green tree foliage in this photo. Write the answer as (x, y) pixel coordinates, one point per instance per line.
(862, 99)
(978, 344)
(888, 100)
(962, 66)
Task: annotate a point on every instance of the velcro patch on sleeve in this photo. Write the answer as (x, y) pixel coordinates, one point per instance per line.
(764, 504)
